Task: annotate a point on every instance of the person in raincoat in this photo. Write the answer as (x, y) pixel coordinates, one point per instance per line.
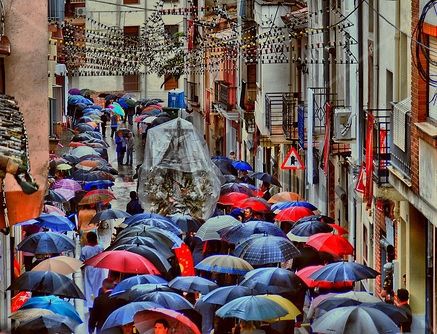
(120, 143)
(114, 124)
(93, 277)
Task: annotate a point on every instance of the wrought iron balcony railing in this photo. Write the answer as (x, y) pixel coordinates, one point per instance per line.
(281, 114)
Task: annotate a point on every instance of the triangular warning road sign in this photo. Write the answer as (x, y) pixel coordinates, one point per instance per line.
(292, 160)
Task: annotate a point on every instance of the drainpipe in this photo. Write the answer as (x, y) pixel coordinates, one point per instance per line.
(396, 80)
(361, 115)
(376, 58)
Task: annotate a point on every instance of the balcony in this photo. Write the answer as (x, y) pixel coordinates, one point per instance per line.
(224, 95)
(381, 145)
(290, 104)
(281, 113)
(400, 141)
(192, 96)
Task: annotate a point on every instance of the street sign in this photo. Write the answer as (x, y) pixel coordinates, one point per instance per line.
(292, 160)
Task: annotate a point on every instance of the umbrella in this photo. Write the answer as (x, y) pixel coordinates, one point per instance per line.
(256, 204)
(122, 261)
(109, 214)
(143, 241)
(53, 196)
(149, 119)
(137, 292)
(83, 151)
(225, 264)
(82, 175)
(292, 310)
(192, 284)
(160, 223)
(209, 230)
(55, 222)
(237, 187)
(145, 215)
(167, 299)
(300, 232)
(53, 209)
(293, 214)
(330, 243)
(344, 271)
(252, 308)
(185, 222)
(340, 230)
(246, 230)
(125, 314)
(46, 243)
(225, 165)
(67, 184)
(306, 272)
(74, 91)
(179, 323)
(319, 218)
(284, 205)
(64, 265)
(117, 109)
(354, 319)
(230, 178)
(47, 282)
(266, 178)
(82, 127)
(63, 167)
(97, 196)
(26, 315)
(225, 294)
(241, 165)
(99, 184)
(273, 280)
(46, 324)
(54, 304)
(127, 283)
(165, 237)
(66, 193)
(285, 196)
(266, 249)
(232, 198)
(159, 260)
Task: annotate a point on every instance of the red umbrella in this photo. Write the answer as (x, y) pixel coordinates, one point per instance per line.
(306, 272)
(232, 198)
(256, 204)
(339, 229)
(123, 262)
(179, 323)
(330, 243)
(97, 196)
(293, 214)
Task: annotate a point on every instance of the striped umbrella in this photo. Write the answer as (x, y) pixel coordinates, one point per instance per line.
(209, 230)
(97, 196)
(225, 264)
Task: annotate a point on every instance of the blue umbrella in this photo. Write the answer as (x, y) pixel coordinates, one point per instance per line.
(300, 232)
(185, 222)
(165, 237)
(241, 165)
(156, 222)
(46, 243)
(127, 283)
(53, 323)
(125, 314)
(243, 188)
(109, 214)
(285, 205)
(137, 240)
(54, 304)
(225, 294)
(99, 184)
(246, 230)
(343, 271)
(145, 215)
(224, 264)
(167, 299)
(192, 284)
(252, 308)
(138, 291)
(320, 218)
(55, 223)
(273, 280)
(266, 249)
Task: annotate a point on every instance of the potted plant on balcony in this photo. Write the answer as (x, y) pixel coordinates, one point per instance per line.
(250, 104)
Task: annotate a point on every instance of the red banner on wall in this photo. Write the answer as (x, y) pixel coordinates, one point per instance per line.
(369, 159)
(360, 186)
(327, 144)
(190, 29)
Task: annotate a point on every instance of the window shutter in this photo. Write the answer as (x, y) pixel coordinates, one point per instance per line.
(432, 95)
(400, 111)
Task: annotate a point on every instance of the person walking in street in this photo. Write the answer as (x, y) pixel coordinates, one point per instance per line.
(130, 145)
(120, 143)
(104, 118)
(93, 277)
(103, 306)
(134, 206)
(114, 124)
(265, 191)
(402, 297)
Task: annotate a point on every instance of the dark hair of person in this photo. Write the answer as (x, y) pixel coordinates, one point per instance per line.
(91, 237)
(403, 295)
(163, 322)
(133, 195)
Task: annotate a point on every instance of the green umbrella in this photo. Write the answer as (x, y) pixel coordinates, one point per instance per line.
(63, 167)
(117, 109)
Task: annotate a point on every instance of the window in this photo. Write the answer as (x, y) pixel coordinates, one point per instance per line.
(131, 82)
(171, 29)
(170, 82)
(432, 72)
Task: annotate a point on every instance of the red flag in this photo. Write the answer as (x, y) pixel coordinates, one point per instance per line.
(19, 300)
(359, 186)
(190, 29)
(327, 145)
(185, 260)
(369, 158)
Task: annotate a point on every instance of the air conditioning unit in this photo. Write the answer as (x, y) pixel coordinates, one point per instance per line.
(344, 125)
(80, 11)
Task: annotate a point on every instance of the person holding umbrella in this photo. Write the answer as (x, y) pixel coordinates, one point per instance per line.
(120, 141)
(114, 124)
(104, 118)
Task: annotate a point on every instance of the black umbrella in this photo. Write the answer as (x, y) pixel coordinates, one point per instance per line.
(243, 188)
(320, 218)
(81, 137)
(84, 127)
(53, 323)
(143, 241)
(136, 292)
(225, 165)
(53, 196)
(300, 232)
(81, 175)
(109, 214)
(160, 120)
(156, 257)
(46, 243)
(94, 134)
(270, 179)
(47, 282)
